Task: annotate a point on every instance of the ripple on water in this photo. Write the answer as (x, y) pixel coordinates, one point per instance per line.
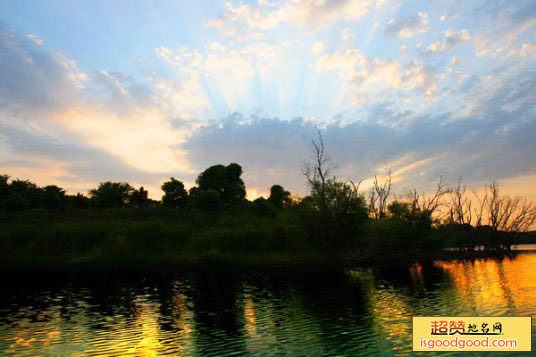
(359, 312)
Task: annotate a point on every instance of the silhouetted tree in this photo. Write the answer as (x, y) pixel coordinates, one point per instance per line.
(318, 171)
(507, 216)
(379, 195)
(78, 201)
(22, 194)
(224, 180)
(174, 193)
(412, 224)
(279, 197)
(53, 197)
(263, 207)
(139, 198)
(334, 214)
(111, 194)
(4, 187)
(429, 203)
(207, 200)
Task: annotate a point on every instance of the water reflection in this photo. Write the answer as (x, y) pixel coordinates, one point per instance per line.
(358, 311)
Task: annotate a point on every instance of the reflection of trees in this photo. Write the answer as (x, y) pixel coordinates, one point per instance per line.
(305, 313)
(218, 313)
(337, 305)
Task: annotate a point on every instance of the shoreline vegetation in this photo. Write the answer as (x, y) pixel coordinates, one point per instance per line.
(213, 224)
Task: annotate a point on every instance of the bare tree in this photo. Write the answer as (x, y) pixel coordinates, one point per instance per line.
(501, 217)
(379, 195)
(460, 211)
(318, 171)
(429, 203)
(524, 216)
(355, 187)
(509, 214)
(480, 209)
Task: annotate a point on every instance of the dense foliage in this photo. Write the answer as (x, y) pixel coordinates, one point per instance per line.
(213, 221)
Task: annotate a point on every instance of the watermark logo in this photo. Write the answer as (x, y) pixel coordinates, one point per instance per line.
(472, 333)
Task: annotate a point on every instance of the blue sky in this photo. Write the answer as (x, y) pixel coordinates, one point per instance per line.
(143, 90)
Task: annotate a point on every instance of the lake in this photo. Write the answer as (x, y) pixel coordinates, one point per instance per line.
(218, 312)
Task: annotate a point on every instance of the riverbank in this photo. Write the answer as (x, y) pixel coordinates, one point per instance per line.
(231, 262)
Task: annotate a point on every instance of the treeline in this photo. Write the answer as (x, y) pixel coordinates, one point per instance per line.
(213, 220)
(219, 188)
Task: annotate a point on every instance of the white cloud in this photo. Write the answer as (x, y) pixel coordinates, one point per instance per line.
(451, 40)
(508, 22)
(528, 50)
(318, 47)
(242, 62)
(408, 26)
(367, 72)
(347, 34)
(318, 13)
(374, 27)
(38, 41)
(448, 17)
(215, 46)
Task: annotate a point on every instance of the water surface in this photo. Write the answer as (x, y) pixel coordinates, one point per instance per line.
(356, 311)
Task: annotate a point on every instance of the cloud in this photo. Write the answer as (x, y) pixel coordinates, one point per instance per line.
(243, 62)
(528, 50)
(408, 26)
(424, 115)
(318, 47)
(347, 34)
(507, 22)
(368, 72)
(302, 12)
(493, 142)
(87, 127)
(33, 81)
(36, 40)
(451, 40)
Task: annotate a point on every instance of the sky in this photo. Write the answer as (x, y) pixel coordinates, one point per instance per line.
(140, 91)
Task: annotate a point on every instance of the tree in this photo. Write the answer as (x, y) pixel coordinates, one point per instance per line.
(4, 186)
(208, 200)
(225, 180)
(429, 203)
(279, 197)
(263, 207)
(53, 197)
(139, 198)
(507, 216)
(318, 171)
(78, 201)
(22, 194)
(334, 214)
(174, 193)
(378, 196)
(410, 226)
(111, 194)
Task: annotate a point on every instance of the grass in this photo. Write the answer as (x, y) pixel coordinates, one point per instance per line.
(148, 237)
